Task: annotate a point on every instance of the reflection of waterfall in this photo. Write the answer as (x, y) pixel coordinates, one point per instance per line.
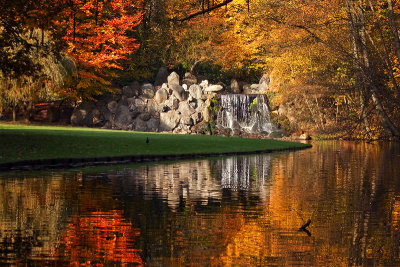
(245, 173)
(245, 113)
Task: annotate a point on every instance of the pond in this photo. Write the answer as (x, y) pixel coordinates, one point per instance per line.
(238, 211)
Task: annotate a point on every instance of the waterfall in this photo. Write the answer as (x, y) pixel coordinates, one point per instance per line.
(245, 113)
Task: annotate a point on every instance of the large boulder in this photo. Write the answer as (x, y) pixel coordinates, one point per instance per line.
(162, 76)
(172, 102)
(152, 107)
(195, 91)
(112, 106)
(189, 79)
(147, 90)
(144, 116)
(185, 109)
(169, 120)
(178, 91)
(161, 95)
(265, 79)
(135, 86)
(235, 88)
(86, 114)
(140, 104)
(187, 121)
(200, 105)
(205, 113)
(264, 83)
(123, 117)
(196, 117)
(127, 91)
(214, 88)
(204, 84)
(153, 124)
(173, 78)
(140, 125)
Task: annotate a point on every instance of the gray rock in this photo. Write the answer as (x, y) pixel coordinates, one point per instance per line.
(112, 106)
(206, 114)
(196, 117)
(169, 120)
(131, 103)
(173, 79)
(162, 76)
(200, 105)
(147, 90)
(144, 116)
(140, 105)
(123, 101)
(135, 86)
(178, 91)
(214, 88)
(85, 114)
(193, 103)
(189, 79)
(107, 115)
(140, 125)
(153, 124)
(255, 87)
(127, 91)
(185, 109)
(172, 102)
(123, 117)
(235, 88)
(187, 121)
(265, 79)
(204, 84)
(161, 96)
(163, 108)
(152, 107)
(195, 91)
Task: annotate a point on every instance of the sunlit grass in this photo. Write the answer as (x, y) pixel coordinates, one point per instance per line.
(27, 142)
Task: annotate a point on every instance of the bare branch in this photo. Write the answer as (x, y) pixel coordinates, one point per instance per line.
(204, 11)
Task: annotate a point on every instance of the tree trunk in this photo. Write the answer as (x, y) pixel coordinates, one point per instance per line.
(362, 63)
(394, 28)
(14, 113)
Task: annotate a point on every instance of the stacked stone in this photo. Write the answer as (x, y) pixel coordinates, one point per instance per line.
(167, 106)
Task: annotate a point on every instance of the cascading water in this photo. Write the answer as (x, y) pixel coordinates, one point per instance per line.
(245, 113)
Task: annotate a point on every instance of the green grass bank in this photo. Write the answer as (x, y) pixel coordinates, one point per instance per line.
(26, 142)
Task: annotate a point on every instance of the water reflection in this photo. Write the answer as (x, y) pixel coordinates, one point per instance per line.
(231, 211)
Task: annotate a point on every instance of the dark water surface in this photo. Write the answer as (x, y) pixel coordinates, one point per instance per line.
(234, 211)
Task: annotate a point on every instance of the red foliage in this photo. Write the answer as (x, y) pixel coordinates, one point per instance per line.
(97, 34)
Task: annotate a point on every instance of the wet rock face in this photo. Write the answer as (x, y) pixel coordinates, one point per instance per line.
(167, 105)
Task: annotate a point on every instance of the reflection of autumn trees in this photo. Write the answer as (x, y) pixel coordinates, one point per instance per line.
(351, 191)
(31, 212)
(100, 238)
(230, 212)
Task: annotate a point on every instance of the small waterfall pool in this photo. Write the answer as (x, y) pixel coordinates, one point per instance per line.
(242, 113)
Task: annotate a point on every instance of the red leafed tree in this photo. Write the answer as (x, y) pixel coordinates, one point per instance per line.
(98, 35)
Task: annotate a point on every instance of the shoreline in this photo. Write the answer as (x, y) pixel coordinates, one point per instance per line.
(65, 163)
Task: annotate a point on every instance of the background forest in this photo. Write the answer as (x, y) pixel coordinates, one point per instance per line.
(333, 65)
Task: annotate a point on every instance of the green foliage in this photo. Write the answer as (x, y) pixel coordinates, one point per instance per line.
(254, 105)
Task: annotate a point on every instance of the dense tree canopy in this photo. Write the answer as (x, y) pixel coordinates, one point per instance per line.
(334, 65)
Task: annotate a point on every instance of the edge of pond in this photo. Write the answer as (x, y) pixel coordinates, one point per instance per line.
(64, 163)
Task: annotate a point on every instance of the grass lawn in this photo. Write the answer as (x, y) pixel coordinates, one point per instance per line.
(26, 142)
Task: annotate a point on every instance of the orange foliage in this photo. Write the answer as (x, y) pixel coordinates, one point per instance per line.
(97, 36)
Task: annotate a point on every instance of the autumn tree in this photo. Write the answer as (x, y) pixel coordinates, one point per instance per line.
(96, 34)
